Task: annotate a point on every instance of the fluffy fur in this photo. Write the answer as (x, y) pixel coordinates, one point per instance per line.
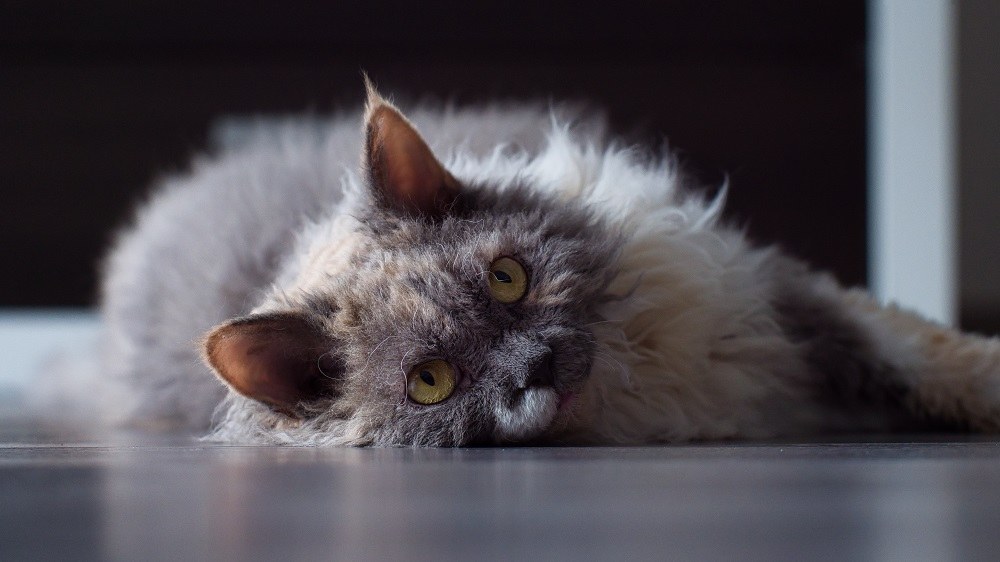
(659, 322)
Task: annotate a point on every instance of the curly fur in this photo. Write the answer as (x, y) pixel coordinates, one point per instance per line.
(666, 324)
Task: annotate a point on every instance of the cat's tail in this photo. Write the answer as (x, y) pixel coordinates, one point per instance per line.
(946, 374)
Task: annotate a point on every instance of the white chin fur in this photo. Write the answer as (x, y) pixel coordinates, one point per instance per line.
(532, 414)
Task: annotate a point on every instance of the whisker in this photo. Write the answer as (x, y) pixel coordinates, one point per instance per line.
(402, 371)
(319, 365)
(612, 362)
(365, 367)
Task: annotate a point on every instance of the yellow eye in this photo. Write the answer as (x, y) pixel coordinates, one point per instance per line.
(508, 280)
(431, 382)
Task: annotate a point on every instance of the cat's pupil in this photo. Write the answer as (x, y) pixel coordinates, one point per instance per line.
(427, 378)
(502, 277)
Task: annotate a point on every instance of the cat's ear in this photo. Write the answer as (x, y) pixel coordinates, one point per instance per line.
(280, 359)
(402, 172)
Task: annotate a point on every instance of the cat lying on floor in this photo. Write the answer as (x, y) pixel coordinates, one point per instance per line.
(524, 281)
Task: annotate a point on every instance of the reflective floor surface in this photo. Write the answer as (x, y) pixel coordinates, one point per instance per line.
(142, 498)
(65, 495)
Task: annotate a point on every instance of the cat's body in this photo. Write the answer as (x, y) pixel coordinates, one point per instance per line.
(376, 307)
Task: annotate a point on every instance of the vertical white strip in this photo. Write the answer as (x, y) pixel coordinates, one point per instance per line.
(912, 246)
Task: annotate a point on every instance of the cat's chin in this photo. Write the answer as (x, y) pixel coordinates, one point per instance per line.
(531, 414)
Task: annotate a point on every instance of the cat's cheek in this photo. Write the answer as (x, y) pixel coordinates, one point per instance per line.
(577, 415)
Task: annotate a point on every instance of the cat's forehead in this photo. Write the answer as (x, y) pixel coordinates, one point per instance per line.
(406, 265)
(564, 248)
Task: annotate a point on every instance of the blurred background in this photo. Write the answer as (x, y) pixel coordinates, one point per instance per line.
(97, 100)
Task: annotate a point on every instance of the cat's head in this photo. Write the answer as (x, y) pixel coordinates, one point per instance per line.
(447, 314)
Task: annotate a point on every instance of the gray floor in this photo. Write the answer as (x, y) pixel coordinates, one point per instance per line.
(71, 496)
(145, 498)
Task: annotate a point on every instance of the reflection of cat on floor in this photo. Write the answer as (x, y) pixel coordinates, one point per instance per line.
(535, 284)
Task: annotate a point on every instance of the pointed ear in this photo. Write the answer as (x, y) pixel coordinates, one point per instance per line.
(402, 171)
(280, 359)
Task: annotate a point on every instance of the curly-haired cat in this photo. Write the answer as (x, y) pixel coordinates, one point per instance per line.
(495, 275)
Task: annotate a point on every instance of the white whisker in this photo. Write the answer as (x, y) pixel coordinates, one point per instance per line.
(610, 360)
(365, 367)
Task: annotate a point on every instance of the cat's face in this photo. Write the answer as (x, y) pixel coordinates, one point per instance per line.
(460, 317)
(472, 328)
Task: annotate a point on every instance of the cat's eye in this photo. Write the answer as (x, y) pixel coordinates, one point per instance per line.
(508, 280)
(431, 382)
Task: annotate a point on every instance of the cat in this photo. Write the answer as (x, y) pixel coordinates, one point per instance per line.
(496, 275)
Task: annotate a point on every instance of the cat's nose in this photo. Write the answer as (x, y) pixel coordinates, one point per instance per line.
(541, 372)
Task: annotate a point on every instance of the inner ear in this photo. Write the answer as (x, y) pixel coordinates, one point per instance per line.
(281, 359)
(401, 169)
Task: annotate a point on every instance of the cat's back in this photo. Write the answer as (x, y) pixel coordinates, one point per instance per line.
(199, 249)
(229, 220)
(208, 241)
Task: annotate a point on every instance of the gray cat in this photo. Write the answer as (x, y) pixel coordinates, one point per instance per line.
(538, 284)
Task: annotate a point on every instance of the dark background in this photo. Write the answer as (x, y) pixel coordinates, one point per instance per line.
(96, 101)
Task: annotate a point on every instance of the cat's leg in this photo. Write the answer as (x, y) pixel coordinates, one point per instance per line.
(947, 375)
(869, 367)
